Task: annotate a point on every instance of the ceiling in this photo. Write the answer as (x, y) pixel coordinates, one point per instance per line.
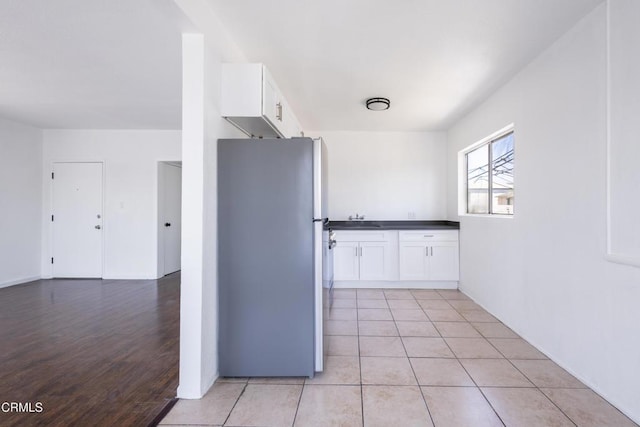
(108, 64)
(91, 64)
(435, 60)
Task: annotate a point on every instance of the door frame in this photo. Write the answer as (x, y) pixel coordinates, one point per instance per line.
(48, 214)
(159, 225)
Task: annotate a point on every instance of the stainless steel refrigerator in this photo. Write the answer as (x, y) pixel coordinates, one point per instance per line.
(271, 211)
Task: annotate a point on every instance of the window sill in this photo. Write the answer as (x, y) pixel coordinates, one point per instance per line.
(466, 215)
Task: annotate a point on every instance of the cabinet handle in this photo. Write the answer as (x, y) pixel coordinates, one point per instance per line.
(279, 111)
(426, 251)
(431, 250)
(428, 235)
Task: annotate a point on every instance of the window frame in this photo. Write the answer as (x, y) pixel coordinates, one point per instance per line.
(464, 173)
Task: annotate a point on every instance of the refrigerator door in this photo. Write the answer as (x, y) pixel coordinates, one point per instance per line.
(317, 286)
(266, 257)
(320, 180)
(319, 215)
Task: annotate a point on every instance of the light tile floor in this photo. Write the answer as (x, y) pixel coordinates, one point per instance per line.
(410, 358)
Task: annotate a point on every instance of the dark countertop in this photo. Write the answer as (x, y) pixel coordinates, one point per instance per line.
(393, 225)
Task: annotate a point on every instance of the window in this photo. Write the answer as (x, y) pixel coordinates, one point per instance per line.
(489, 176)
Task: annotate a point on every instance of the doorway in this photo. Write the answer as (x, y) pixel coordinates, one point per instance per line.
(169, 217)
(77, 220)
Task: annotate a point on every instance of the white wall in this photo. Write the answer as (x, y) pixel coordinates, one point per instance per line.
(192, 381)
(214, 128)
(202, 56)
(544, 272)
(202, 126)
(130, 159)
(20, 202)
(386, 175)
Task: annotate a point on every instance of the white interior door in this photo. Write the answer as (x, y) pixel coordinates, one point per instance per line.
(77, 220)
(171, 216)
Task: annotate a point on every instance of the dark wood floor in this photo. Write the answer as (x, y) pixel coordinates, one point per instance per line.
(93, 352)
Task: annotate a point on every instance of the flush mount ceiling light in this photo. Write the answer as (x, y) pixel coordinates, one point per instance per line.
(378, 104)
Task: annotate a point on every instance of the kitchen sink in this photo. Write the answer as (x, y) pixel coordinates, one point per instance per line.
(365, 224)
(357, 224)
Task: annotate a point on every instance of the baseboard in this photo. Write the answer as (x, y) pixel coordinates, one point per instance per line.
(19, 281)
(398, 284)
(129, 277)
(186, 395)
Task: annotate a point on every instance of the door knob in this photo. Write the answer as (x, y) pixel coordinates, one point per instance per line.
(167, 224)
(97, 227)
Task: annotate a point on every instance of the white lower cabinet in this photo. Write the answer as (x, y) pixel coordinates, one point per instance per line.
(429, 255)
(364, 255)
(444, 261)
(346, 264)
(373, 260)
(420, 256)
(414, 259)
(428, 261)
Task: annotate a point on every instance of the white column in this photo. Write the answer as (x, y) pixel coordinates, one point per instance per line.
(191, 384)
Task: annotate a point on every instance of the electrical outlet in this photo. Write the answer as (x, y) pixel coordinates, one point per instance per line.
(411, 215)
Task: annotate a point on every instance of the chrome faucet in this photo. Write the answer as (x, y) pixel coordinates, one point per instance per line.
(357, 217)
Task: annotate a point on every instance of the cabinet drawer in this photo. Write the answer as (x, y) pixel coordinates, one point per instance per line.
(364, 236)
(428, 235)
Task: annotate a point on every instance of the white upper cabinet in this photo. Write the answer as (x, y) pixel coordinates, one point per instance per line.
(251, 100)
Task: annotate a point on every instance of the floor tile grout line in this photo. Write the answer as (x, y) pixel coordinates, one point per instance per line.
(426, 314)
(424, 400)
(494, 347)
(491, 405)
(510, 362)
(360, 363)
(522, 373)
(560, 409)
(541, 392)
(474, 382)
(235, 403)
(304, 384)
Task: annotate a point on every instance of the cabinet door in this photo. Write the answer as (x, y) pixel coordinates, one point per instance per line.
(443, 261)
(290, 127)
(414, 261)
(345, 261)
(271, 100)
(373, 260)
